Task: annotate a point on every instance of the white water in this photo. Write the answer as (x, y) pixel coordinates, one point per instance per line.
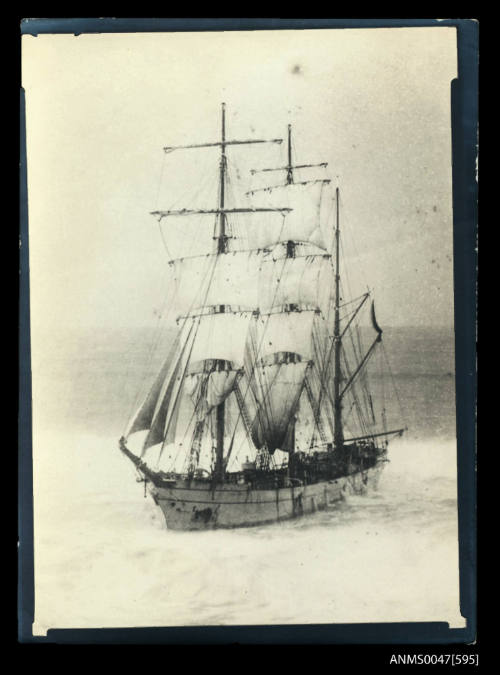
(104, 558)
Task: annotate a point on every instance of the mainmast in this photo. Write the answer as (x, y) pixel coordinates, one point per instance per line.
(337, 396)
(222, 239)
(289, 168)
(220, 414)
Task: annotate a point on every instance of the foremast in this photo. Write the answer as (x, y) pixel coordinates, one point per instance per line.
(221, 248)
(338, 439)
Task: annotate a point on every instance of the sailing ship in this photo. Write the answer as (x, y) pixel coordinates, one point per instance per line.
(245, 422)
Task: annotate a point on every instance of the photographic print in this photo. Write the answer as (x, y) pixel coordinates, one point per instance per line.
(242, 327)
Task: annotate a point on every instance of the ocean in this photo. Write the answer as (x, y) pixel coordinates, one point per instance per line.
(103, 555)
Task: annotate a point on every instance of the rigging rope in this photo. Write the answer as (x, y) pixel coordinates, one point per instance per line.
(169, 300)
(196, 331)
(256, 351)
(401, 409)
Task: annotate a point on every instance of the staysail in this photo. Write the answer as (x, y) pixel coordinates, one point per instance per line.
(165, 411)
(144, 416)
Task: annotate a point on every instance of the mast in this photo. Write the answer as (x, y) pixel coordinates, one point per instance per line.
(289, 168)
(338, 439)
(221, 248)
(222, 239)
(290, 253)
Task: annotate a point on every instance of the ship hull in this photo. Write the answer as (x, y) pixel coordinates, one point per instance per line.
(195, 506)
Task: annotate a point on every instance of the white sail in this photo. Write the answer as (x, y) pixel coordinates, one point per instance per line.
(281, 349)
(221, 336)
(255, 372)
(210, 389)
(167, 411)
(277, 388)
(281, 332)
(188, 235)
(144, 416)
(148, 410)
(156, 433)
(185, 236)
(303, 223)
(227, 279)
(303, 280)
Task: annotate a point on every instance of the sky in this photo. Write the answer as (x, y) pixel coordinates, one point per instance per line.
(373, 103)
